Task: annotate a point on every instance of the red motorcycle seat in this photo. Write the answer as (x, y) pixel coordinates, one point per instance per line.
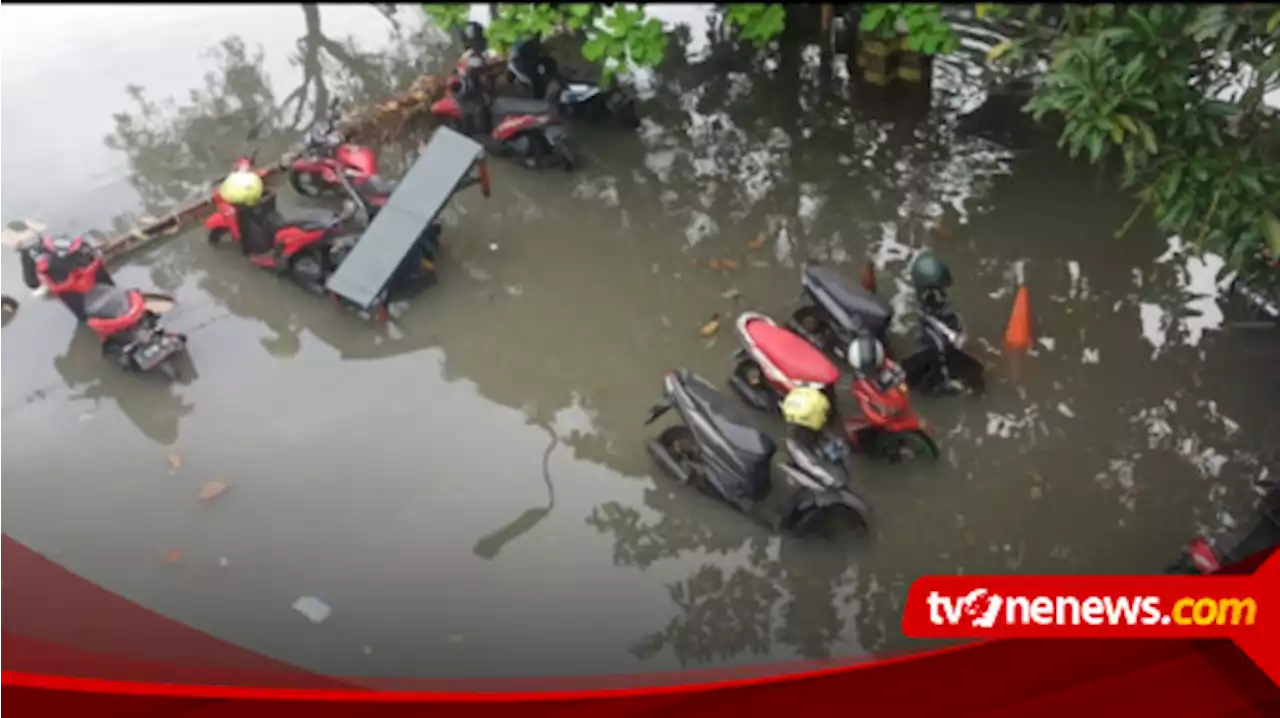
(793, 356)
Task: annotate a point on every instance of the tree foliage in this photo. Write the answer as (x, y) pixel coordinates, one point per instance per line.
(1173, 91)
(1176, 92)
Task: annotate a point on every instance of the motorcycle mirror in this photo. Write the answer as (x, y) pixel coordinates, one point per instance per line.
(658, 410)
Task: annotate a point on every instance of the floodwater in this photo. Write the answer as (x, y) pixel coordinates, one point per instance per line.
(468, 490)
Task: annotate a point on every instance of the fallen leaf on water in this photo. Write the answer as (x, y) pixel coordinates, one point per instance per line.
(714, 263)
(729, 264)
(175, 463)
(711, 327)
(212, 490)
(758, 242)
(173, 555)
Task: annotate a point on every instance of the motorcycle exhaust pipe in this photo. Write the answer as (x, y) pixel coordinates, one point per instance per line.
(667, 462)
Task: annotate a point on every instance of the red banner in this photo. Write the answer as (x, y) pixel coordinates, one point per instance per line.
(72, 648)
(1244, 609)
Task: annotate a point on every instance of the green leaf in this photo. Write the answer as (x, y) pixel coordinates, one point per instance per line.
(1271, 231)
(594, 48)
(1251, 182)
(1148, 138)
(1126, 122)
(1095, 146)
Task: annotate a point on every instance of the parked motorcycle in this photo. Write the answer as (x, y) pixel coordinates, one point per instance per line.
(537, 73)
(940, 366)
(301, 240)
(718, 451)
(1263, 533)
(127, 322)
(527, 129)
(837, 311)
(326, 155)
(773, 361)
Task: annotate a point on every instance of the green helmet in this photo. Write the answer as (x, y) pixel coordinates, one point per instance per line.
(929, 272)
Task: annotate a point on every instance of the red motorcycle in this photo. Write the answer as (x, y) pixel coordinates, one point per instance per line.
(127, 322)
(300, 240)
(773, 361)
(327, 154)
(527, 129)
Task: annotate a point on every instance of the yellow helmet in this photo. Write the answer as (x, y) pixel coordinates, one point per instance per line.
(242, 188)
(807, 407)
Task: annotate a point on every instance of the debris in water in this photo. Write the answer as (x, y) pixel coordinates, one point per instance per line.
(710, 343)
(212, 490)
(1091, 356)
(173, 556)
(758, 242)
(711, 327)
(175, 463)
(223, 562)
(455, 638)
(1047, 342)
(729, 264)
(1036, 493)
(666, 322)
(313, 608)
(493, 246)
(1066, 411)
(732, 294)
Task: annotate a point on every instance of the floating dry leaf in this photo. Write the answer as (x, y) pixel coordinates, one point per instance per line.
(213, 489)
(714, 263)
(175, 463)
(729, 264)
(711, 327)
(173, 555)
(758, 242)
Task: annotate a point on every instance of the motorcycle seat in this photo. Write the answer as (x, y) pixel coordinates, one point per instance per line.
(104, 301)
(792, 355)
(732, 423)
(849, 294)
(308, 219)
(517, 106)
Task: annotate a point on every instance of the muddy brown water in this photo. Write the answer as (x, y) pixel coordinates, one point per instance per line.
(468, 489)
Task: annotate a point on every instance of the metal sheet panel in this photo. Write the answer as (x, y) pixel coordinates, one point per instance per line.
(423, 192)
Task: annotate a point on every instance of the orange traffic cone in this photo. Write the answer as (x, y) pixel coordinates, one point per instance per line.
(869, 277)
(1017, 335)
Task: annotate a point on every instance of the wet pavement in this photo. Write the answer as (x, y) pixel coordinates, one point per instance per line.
(467, 490)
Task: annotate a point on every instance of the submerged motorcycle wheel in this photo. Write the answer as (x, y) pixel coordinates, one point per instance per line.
(680, 444)
(812, 322)
(914, 444)
(927, 374)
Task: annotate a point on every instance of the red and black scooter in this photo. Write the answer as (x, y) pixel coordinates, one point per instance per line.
(327, 154)
(127, 322)
(301, 241)
(773, 361)
(524, 128)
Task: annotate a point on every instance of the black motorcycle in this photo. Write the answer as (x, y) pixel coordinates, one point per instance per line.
(941, 366)
(837, 311)
(538, 74)
(718, 450)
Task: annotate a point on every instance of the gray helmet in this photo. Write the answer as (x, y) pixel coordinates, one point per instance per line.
(865, 355)
(930, 272)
